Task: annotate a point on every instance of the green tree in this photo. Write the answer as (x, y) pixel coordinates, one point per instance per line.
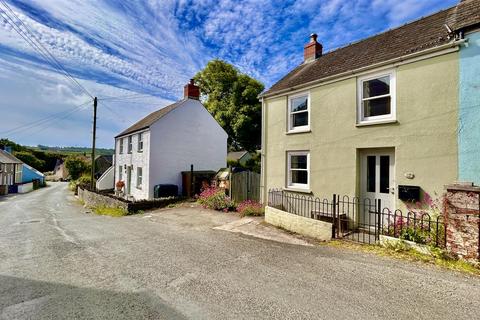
(231, 97)
(30, 159)
(76, 166)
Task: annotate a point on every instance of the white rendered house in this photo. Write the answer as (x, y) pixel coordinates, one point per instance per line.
(156, 149)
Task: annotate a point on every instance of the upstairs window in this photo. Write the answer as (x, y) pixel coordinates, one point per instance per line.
(130, 144)
(298, 167)
(298, 113)
(376, 98)
(140, 142)
(120, 147)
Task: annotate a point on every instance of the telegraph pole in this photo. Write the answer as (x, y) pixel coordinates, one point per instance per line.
(92, 183)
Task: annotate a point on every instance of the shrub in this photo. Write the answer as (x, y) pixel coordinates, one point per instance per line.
(76, 166)
(250, 208)
(216, 199)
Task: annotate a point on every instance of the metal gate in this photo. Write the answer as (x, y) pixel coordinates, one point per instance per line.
(363, 220)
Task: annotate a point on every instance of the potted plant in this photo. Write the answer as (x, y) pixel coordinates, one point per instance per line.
(119, 186)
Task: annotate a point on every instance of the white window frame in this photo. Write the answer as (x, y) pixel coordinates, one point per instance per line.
(121, 146)
(129, 144)
(290, 184)
(140, 142)
(292, 129)
(120, 173)
(139, 177)
(361, 119)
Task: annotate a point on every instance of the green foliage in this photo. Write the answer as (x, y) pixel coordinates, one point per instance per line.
(250, 208)
(76, 166)
(113, 212)
(30, 159)
(231, 97)
(216, 199)
(45, 161)
(252, 164)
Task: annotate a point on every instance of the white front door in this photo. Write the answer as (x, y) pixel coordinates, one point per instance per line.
(377, 172)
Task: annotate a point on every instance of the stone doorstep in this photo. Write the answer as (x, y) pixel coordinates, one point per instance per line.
(255, 227)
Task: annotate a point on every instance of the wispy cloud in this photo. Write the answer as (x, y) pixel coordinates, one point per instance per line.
(154, 46)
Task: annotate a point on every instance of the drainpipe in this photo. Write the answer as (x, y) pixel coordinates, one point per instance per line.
(262, 156)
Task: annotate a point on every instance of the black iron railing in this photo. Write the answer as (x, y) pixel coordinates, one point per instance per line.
(363, 220)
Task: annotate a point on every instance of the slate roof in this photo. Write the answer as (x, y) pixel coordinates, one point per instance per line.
(424, 33)
(464, 15)
(6, 157)
(236, 155)
(151, 118)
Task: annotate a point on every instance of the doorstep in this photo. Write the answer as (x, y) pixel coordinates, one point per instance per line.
(256, 227)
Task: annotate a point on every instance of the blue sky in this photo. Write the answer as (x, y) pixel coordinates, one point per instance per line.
(147, 50)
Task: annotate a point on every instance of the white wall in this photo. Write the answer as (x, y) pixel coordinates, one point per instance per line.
(135, 159)
(26, 187)
(106, 181)
(186, 135)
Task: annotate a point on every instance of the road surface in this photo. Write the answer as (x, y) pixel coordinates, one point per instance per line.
(59, 262)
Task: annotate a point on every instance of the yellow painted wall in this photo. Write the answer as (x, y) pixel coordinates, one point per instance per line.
(424, 138)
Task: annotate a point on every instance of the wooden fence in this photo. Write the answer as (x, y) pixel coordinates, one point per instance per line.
(245, 186)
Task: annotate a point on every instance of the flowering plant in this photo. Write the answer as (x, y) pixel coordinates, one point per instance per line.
(120, 184)
(216, 199)
(250, 208)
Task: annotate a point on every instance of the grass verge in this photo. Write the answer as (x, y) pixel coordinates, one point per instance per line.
(113, 212)
(439, 258)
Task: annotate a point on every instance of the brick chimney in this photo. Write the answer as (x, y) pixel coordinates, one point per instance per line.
(191, 91)
(312, 50)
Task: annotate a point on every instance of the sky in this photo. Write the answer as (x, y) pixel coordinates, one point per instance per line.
(136, 55)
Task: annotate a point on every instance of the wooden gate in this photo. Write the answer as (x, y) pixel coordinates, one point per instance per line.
(245, 186)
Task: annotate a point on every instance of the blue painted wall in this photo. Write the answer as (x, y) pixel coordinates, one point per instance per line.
(29, 174)
(469, 111)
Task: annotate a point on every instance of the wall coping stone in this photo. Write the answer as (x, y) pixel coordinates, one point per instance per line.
(463, 186)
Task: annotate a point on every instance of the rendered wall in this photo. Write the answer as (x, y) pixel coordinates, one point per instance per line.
(469, 111)
(135, 159)
(308, 227)
(187, 135)
(424, 138)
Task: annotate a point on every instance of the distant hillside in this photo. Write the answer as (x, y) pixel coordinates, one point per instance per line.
(73, 150)
(44, 158)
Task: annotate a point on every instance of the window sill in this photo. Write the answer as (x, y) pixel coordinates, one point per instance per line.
(298, 190)
(298, 131)
(376, 122)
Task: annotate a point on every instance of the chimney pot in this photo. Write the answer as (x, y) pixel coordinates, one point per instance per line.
(191, 91)
(312, 50)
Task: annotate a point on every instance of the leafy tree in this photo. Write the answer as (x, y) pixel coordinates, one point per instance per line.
(231, 97)
(30, 159)
(76, 166)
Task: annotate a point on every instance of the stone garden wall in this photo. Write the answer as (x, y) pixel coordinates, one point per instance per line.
(99, 199)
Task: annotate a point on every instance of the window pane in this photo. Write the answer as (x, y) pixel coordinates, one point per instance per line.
(299, 104)
(299, 177)
(298, 162)
(376, 107)
(300, 119)
(376, 87)
(384, 174)
(371, 173)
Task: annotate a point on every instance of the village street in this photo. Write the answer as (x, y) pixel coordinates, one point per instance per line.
(59, 262)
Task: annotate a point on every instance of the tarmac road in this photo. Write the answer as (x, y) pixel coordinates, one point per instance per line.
(59, 262)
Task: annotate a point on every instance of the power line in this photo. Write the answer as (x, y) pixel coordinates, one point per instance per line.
(128, 96)
(38, 46)
(39, 122)
(47, 125)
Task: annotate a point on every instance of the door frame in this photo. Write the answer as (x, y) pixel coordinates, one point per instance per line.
(363, 153)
